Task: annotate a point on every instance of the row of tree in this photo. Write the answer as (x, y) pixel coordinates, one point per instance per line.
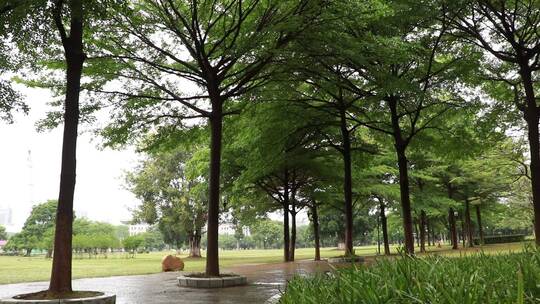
(415, 122)
(420, 83)
(90, 238)
(255, 186)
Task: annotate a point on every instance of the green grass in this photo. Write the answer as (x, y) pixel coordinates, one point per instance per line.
(472, 278)
(31, 269)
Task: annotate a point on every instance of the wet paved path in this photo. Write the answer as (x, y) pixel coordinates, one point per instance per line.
(265, 283)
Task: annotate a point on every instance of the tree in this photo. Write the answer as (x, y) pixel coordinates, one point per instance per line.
(322, 83)
(225, 49)
(37, 229)
(384, 225)
(266, 233)
(72, 42)
(403, 80)
(153, 239)
(430, 201)
(416, 81)
(42, 217)
(277, 159)
(60, 26)
(484, 182)
(507, 32)
(326, 94)
(20, 242)
(172, 192)
(132, 243)
(313, 215)
(379, 183)
(94, 238)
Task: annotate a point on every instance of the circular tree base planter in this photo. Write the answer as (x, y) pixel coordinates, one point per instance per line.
(99, 298)
(352, 259)
(197, 280)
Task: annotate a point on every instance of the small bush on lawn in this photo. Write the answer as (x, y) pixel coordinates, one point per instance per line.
(505, 278)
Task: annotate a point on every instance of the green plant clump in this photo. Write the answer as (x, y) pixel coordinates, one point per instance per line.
(479, 278)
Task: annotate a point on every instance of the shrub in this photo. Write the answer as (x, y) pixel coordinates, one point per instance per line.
(471, 279)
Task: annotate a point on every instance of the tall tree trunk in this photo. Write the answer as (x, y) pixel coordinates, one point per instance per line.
(405, 201)
(422, 231)
(195, 245)
(286, 235)
(347, 184)
(479, 221)
(216, 124)
(293, 211)
(379, 235)
(531, 115)
(74, 56)
(292, 245)
(429, 234)
(452, 219)
(433, 238)
(316, 231)
(286, 202)
(468, 223)
(463, 234)
(400, 146)
(384, 226)
(416, 234)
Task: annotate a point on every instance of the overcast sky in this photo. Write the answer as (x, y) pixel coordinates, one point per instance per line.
(99, 192)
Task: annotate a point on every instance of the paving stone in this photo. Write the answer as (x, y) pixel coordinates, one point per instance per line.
(191, 283)
(216, 283)
(182, 281)
(105, 299)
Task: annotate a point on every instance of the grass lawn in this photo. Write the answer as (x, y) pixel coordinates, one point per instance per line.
(31, 269)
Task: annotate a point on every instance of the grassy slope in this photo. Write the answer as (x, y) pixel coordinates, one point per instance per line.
(31, 269)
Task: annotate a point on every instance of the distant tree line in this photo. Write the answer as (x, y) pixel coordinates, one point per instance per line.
(90, 238)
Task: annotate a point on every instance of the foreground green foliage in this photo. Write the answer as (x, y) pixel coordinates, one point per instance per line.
(479, 278)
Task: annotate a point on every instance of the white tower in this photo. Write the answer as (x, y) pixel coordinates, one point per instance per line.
(30, 178)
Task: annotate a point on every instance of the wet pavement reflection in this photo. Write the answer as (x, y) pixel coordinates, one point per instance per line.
(266, 282)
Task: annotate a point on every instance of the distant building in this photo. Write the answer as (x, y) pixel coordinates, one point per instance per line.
(6, 217)
(138, 229)
(2, 244)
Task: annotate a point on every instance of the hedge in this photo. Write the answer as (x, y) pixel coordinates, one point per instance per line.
(498, 239)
